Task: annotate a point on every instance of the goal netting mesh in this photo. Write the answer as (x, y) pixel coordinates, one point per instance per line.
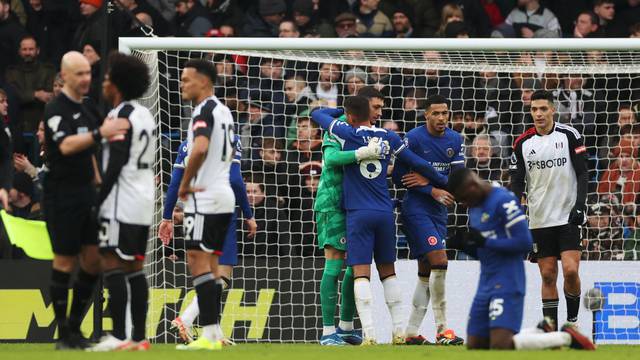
(275, 292)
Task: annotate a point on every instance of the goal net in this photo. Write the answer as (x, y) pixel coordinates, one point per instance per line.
(271, 86)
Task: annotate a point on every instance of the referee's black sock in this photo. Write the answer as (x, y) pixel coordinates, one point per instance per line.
(139, 299)
(82, 293)
(59, 292)
(205, 285)
(550, 310)
(117, 285)
(573, 305)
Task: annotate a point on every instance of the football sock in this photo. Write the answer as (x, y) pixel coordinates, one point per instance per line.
(420, 306)
(573, 305)
(205, 286)
(189, 314)
(117, 286)
(364, 300)
(438, 301)
(217, 309)
(347, 301)
(329, 294)
(393, 298)
(226, 282)
(59, 291)
(82, 293)
(550, 309)
(139, 299)
(532, 341)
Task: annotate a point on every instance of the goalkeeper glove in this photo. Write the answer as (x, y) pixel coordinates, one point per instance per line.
(577, 216)
(369, 152)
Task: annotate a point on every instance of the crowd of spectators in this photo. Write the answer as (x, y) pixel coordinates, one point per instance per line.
(271, 98)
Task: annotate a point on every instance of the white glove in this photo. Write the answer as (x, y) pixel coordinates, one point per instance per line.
(369, 152)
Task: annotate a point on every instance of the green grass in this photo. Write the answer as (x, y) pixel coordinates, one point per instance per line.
(300, 352)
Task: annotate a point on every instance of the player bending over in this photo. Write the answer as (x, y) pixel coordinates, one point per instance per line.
(424, 216)
(332, 239)
(229, 257)
(500, 238)
(370, 221)
(127, 202)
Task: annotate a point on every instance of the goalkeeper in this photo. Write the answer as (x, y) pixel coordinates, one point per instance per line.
(331, 221)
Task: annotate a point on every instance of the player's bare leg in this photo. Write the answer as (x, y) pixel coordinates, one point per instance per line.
(570, 271)
(393, 298)
(364, 301)
(478, 343)
(334, 260)
(549, 273)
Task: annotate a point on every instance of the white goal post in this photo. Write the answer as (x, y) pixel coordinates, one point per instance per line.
(271, 84)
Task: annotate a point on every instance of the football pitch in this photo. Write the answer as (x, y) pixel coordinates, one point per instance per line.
(308, 351)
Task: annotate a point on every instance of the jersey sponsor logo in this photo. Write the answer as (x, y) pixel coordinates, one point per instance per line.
(370, 168)
(432, 240)
(450, 152)
(54, 122)
(547, 164)
(489, 234)
(511, 208)
(441, 166)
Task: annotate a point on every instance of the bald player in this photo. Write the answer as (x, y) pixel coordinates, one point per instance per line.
(72, 131)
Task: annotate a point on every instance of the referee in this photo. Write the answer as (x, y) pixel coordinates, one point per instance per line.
(71, 136)
(550, 157)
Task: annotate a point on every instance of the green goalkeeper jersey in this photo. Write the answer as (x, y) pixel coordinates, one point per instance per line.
(329, 194)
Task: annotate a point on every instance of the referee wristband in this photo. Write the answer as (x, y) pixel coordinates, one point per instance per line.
(96, 135)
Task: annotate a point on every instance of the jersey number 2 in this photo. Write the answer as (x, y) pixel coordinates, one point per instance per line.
(144, 136)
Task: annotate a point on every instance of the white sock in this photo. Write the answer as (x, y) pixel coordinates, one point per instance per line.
(218, 332)
(328, 330)
(420, 306)
(531, 341)
(364, 299)
(438, 301)
(346, 325)
(393, 299)
(191, 312)
(531, 330)
(210, 332)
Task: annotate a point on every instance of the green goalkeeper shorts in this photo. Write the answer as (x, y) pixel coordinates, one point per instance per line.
(332, 230)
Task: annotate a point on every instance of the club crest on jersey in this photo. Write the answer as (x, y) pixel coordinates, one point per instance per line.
(450, 152)
(484, 218)
(432, 240)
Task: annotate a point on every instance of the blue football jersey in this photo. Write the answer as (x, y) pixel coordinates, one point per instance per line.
(365, 183)
(237, 156)
(443, 153)
(181, 158)
(502, 257)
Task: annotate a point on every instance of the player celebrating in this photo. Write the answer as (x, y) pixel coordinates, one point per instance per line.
(330, 219)
(498, 236)
(424, 216)
(209, 198)
(127, 202)
(71, 134)
(551, 158)
(229, 257)
(370, 223)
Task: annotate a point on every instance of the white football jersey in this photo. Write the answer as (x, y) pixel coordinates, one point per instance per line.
(132, 198)
(547, 163)
(213, 119)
